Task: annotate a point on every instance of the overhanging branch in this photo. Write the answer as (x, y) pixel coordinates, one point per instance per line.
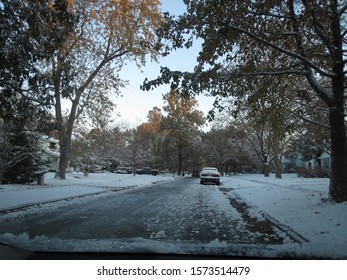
(282, 50)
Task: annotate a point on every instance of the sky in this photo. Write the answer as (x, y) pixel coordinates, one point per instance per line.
(134, 104)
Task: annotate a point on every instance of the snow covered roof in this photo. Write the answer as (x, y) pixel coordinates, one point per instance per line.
(52, 153)
(324, 156)
(49, 139)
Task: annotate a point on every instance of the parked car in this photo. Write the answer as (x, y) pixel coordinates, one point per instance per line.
(124, 170)
(147, 170)
(209, 175)
(121, 171)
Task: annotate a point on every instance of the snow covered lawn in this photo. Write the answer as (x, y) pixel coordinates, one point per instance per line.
(301, 204)
(13, 196)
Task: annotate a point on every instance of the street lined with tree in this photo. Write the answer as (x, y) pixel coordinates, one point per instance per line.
(276, 69)
(305, 39)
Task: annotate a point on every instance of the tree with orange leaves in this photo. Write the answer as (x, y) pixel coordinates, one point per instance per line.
(150, 132)
(182, 121)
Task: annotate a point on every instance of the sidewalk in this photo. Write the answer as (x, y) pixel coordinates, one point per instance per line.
(300, 204)
(22, 198)
(76, 185)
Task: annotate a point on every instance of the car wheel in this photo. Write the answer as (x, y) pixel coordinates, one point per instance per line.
(201, 182)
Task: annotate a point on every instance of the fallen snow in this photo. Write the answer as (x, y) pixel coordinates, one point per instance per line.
(299, 205)
(14, 196)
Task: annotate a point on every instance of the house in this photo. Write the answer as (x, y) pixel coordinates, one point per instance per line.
(290, 161)
(50, 151)
(325, 161)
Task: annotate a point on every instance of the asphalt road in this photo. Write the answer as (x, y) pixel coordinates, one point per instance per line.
(181, 210)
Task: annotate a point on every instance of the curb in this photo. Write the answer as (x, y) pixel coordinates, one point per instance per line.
(295, 236)
(26, 205)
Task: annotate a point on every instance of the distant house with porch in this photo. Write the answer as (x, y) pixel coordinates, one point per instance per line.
(325, 161)
(290, 162)
(50, 152)
(318, 166)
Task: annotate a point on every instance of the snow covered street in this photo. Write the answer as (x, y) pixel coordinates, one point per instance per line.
(247, 215)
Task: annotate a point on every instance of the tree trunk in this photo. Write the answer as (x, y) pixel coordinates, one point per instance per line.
(338, 175)
(179, 159)
(2, 172)
(86, 169)
(65, 141)
(336, 104)
(234, 167)
(277, 168)
(266, 170)
(277, 160)
(266, 166)
(65, 134)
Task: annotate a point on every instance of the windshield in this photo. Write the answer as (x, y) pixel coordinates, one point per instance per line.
(209, 169)
(112, 112)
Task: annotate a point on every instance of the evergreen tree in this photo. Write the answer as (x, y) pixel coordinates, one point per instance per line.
(26, 39)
